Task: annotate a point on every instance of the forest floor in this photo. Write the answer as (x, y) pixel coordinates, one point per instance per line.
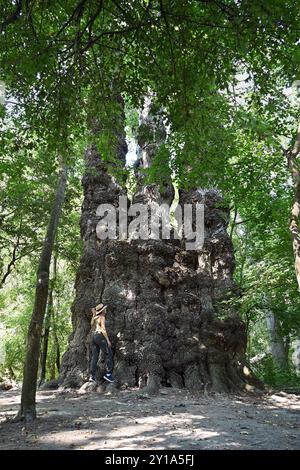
(174, 419)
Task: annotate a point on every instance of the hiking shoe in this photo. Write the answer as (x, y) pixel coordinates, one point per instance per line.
(108, 377)
(92, 379)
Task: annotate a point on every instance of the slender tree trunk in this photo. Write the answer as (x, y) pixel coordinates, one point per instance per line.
(277, 346)
(296, 354)
(56, 342)
(46, 338)
(12, 375)
(54, 323)
(28, 408)
(244, 258)
(57, 361)
(291, 155)
(52, 371)
(233, 222)
(48, 321)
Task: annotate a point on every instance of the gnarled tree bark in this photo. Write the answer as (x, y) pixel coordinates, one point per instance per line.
(166, 312)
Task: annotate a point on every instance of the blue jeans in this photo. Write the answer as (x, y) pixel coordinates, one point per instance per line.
(100, 344)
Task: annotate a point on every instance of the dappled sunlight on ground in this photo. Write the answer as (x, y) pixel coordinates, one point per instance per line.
(175, 419)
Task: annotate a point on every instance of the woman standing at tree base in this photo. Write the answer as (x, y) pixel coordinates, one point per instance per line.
(101, 342)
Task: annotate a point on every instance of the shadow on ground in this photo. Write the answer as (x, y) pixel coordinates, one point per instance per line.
(174, 419)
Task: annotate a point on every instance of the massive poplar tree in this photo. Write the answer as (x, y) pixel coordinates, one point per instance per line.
(54, 56)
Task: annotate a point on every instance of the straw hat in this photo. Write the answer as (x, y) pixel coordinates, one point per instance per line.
(99, 308)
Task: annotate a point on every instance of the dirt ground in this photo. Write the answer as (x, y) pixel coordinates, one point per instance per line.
(174, 419)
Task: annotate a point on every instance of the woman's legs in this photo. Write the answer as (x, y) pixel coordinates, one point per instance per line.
(95, 356)
(100, 343)
(109, 355)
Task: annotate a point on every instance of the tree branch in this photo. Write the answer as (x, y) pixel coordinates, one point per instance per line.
(12, 261)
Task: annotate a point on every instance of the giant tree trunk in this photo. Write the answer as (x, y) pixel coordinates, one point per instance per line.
(164, 303)
(28, 409)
